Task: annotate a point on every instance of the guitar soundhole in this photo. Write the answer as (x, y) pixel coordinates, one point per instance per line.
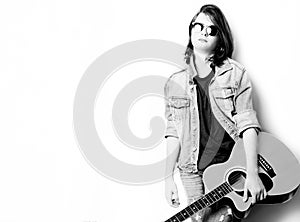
(236, 180)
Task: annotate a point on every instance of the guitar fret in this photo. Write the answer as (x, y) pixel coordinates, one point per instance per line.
(215, 195)
(212, 196)
(189, 210)
(177, 218)
(194, 208)
(206, 202)
(185, 213)
(180, 217)
(198, 205)
(229, 187)
(173, 219)
(208, 198)
(220, 191)
(224, 190)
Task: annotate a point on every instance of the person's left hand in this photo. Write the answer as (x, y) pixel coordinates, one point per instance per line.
(254, 185)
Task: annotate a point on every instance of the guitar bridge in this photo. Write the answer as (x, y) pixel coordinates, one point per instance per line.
(263, 163)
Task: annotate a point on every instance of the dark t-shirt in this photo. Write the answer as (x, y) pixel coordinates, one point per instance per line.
(215, 143)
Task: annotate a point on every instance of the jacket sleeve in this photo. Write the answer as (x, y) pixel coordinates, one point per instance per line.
(245, 116)
(170, 128)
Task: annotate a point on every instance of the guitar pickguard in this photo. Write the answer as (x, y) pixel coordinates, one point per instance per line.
(236, 179)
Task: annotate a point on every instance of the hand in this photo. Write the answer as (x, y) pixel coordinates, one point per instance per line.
(254, 184)
(171, 193)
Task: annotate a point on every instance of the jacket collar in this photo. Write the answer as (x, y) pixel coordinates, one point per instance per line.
(218, 70)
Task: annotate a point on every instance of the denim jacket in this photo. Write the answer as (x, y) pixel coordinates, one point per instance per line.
(231, 103)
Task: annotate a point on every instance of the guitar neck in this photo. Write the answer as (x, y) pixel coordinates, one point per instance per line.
(205, 201)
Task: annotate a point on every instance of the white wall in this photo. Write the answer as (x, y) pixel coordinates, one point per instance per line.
(45, 48)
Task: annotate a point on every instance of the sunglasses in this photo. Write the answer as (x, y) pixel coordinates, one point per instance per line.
(211, 30)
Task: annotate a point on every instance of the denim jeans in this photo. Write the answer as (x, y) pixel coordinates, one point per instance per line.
(194, 188)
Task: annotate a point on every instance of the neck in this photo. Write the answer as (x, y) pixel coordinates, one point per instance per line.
(202, 64)
(202, 55)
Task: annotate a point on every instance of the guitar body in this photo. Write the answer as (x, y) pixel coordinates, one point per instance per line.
(278, 169)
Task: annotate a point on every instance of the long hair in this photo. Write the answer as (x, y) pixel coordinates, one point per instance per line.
(224, 47)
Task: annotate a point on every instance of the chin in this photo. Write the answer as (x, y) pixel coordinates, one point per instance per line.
(202, 47)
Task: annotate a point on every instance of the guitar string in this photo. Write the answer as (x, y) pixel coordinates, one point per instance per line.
(222, 187)
(231, 181)
(234, 179)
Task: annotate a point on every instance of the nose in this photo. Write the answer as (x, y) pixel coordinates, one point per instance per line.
(204, 32)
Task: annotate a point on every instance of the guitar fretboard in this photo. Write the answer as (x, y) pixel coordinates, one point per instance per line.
(205, 201)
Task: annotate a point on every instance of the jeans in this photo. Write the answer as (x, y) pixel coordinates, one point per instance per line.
(194, 188)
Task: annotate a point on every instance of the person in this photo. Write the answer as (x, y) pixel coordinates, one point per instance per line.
(208, 108)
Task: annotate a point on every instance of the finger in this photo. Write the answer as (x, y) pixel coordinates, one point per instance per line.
(175, 200)
(175, 195)
(264, 194)
(254, 198)
(175, 203)
(169, 198)
(245, 197)
(260, 196)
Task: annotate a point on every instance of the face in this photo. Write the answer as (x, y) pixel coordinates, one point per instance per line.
(203, 35)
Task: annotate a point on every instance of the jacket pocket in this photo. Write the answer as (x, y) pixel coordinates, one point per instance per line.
(179, 102)
(179, 106)
(224, 98)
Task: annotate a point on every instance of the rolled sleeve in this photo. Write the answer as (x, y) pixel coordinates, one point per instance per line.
(246, 120)
(245, 116)
(170, 128)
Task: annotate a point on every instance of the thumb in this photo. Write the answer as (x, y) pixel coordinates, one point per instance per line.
(175, 194)
(169, 197)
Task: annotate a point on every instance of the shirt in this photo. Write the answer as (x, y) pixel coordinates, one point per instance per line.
(215, 144)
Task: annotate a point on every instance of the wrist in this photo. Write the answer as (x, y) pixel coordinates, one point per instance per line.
(252, 172)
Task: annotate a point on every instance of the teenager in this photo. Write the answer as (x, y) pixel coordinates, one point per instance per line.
(208, 108)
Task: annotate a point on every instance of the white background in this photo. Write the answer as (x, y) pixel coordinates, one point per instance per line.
(45, 48)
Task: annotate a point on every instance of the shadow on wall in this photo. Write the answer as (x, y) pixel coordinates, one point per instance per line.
(258, 107)
(276, 212)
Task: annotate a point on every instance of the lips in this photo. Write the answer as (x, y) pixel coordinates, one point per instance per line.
(202, 40)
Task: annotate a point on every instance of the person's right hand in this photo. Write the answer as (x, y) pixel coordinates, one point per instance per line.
(171, 193)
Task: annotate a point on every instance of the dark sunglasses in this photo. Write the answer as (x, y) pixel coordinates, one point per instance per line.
(211, 30)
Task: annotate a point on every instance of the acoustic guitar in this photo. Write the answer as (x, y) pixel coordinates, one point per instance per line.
(279, 171)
